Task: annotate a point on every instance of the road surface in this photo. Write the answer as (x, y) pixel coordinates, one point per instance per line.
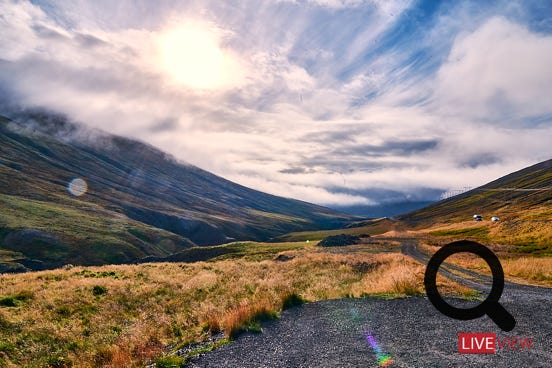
(406, 332)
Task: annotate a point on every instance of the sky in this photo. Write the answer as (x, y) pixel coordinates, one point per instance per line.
(340, 103)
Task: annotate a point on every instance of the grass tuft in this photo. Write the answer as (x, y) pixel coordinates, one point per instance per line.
(170, 362)
(248, 318)
(406, 285)
(292, 300)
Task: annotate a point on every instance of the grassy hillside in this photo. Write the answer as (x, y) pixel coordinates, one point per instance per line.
(522, 200)
(140, 202)
(525, 192)
(49, 233)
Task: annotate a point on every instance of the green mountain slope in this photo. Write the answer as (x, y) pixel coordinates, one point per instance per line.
(529, 189)
(521, 200)
(140, 201)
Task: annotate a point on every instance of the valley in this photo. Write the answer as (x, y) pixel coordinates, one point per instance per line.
(159, 262)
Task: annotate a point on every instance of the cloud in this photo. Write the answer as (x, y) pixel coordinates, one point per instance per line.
(386, 6)
(508, 84)
(389, 148)
(333, 102)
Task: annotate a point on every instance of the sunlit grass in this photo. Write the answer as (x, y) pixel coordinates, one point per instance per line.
(536, 269)
(128, 315)
(476, 232)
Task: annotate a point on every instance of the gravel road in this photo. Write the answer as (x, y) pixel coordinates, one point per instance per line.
(337, 333)
(512, 291)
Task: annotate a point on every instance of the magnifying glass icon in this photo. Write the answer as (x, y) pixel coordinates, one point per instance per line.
(489, 306)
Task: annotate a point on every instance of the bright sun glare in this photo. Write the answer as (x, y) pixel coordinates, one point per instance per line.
(191, 56)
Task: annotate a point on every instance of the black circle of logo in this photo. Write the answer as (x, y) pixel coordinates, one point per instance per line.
(489, 306)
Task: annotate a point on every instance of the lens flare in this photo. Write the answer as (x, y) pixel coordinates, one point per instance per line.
(77, 187)
(384, 359)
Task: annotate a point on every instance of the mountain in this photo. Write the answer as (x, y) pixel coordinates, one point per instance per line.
(139, 202)
(529, 189)
(388, 209)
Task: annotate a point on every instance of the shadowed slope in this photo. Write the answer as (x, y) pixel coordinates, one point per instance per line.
(140, 201)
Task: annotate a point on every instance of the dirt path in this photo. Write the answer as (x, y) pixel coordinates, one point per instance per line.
(342, 333)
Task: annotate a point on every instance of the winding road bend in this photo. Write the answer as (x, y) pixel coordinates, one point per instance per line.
(410, 332)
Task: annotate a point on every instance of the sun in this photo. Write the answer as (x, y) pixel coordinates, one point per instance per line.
(191, 55)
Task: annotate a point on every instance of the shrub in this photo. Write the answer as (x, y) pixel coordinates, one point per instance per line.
(339, 240)
(99, 290)
(63, 311)
(8, 301)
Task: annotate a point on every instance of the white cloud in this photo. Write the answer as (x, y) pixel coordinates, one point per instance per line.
(500, 72)
(18, 38)
(386, 6)
(290, 123)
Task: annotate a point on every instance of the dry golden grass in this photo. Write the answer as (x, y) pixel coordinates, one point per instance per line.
(127, 315)
(530, 268)
(528, 231)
